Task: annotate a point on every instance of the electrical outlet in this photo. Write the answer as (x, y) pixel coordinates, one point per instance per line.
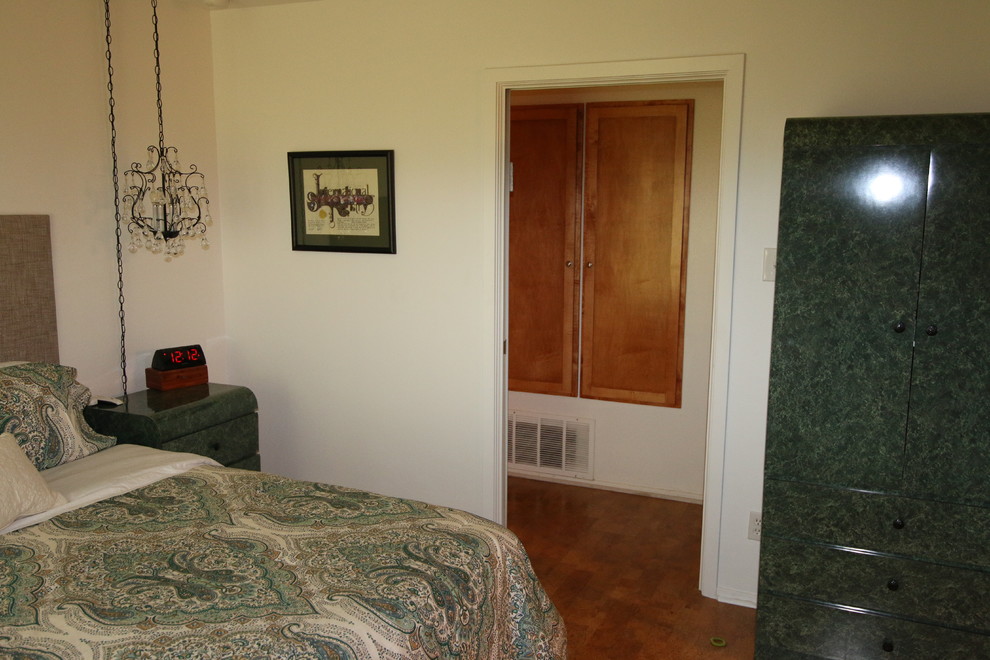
(755, 525)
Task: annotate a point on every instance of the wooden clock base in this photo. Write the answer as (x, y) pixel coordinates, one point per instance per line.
(175, 378)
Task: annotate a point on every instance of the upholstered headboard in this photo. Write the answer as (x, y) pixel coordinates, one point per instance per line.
(28, 329)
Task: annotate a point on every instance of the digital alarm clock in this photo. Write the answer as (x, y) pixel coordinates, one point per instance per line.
(172, 368)
(166, 359)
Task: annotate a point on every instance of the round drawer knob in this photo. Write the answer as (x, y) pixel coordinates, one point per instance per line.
(893, 584)
(899, 523)
(931, 330)
(887, 646)
(900, 326)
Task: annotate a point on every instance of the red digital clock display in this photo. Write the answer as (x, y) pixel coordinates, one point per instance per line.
(182, 356)
(179, 357)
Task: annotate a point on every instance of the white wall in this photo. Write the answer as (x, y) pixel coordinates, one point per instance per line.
(657, 450)
(391, 354)
(55, 160)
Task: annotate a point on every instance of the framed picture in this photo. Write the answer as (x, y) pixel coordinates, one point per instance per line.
(342, 201)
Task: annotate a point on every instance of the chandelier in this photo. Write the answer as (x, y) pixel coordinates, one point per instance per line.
(165, 204)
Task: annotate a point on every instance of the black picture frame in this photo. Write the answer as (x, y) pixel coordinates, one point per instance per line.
(342, 201)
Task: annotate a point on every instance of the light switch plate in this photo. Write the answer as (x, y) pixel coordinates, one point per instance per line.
(769, 264)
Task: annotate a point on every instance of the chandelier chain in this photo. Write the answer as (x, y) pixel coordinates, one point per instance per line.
(116, 204)
(158, 76)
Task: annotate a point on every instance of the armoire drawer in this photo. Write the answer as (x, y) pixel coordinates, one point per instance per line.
(792, 628)
(923, 591)
(903, 526)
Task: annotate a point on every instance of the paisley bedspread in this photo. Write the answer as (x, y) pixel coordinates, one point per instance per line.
(222, 563)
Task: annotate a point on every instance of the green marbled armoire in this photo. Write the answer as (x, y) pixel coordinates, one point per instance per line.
(876, 511)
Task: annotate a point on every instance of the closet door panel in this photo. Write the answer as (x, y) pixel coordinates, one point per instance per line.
(544, 218)
(848, 260)
(637, 167)
(949, 431)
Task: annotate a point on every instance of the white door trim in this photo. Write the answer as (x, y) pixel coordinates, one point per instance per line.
(727, 68)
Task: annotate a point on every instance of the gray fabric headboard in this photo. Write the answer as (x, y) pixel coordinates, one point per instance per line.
(28, 329)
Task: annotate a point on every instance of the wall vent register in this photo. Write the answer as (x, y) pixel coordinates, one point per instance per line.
(550, 445)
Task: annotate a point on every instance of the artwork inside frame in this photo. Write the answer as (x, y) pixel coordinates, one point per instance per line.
(342, 201)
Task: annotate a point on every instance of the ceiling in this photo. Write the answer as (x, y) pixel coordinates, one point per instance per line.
(235, 4)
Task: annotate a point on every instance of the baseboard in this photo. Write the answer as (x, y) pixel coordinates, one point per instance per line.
(736, 597)
(677, 496)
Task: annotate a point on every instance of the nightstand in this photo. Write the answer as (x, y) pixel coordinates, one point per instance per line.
(219, 421)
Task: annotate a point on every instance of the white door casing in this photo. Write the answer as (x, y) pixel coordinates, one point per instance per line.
(497, 84)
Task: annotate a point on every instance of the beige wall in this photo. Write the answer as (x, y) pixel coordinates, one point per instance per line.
(55, 159)
(396, 349)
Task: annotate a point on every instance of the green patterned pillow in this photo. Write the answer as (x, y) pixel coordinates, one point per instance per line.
(42, 406)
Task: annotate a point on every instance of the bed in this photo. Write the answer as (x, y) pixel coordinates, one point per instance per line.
(113, 550)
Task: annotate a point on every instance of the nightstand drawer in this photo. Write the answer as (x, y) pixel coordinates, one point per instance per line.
(249, 463)
(225, 443)
(791, 628)
(923, 591)
(903, 526)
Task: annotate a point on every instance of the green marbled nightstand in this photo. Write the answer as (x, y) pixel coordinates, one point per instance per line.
(219, 421)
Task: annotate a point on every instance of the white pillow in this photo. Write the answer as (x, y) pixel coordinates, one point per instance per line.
(23, 490)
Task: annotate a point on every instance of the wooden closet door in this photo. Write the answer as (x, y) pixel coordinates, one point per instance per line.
(637, 180)
(544, 216)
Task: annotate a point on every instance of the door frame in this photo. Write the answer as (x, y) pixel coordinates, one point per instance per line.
(497, 84)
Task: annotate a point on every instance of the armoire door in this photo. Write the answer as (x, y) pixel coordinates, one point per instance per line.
(637, 181)
(948, 449)
(544, 274)
(849, 255)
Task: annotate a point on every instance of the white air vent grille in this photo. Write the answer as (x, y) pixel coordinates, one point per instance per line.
(550, 445)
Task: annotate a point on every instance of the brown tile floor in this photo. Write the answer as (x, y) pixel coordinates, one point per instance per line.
(623, 571)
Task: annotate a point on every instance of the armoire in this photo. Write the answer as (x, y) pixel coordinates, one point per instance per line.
(876, 510)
